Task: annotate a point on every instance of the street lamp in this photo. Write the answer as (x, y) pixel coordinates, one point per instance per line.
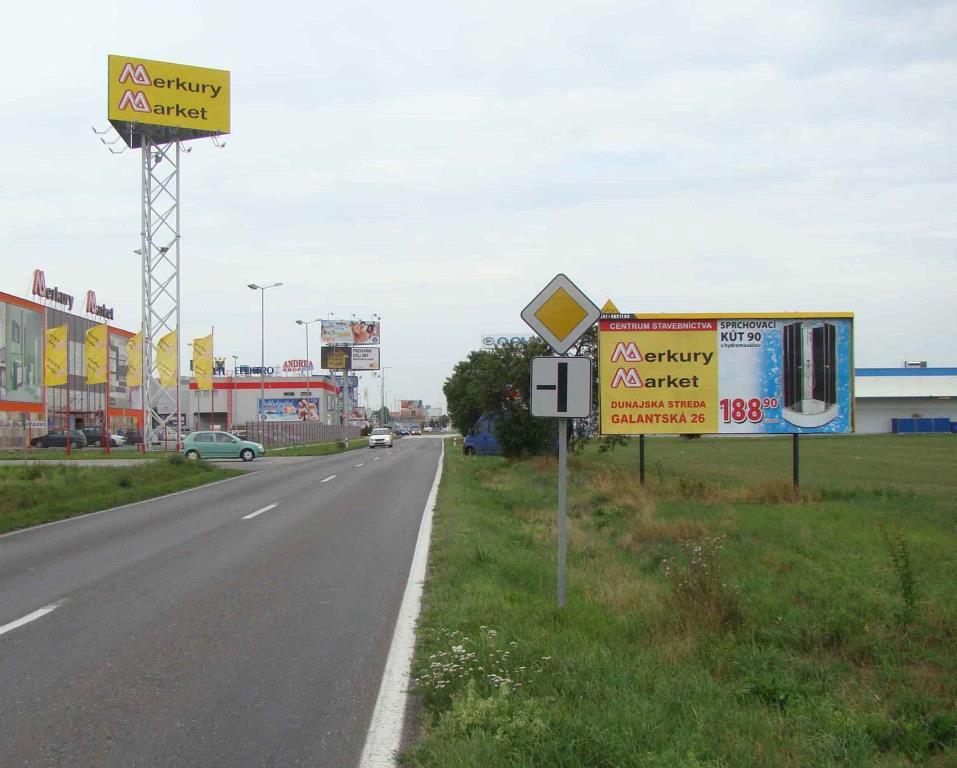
(381, 375)
(262, 336)
(306, 324)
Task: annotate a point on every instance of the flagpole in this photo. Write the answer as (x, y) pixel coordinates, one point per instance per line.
(212, 383)
(107, 435)
(69, 435)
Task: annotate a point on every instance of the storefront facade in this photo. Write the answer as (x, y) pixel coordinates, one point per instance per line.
(28, 408)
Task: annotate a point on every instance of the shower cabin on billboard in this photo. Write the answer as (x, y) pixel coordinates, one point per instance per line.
(810, 373)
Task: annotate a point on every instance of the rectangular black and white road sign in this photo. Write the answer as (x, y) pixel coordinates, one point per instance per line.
(561, 386)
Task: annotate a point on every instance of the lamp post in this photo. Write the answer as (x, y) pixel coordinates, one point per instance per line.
(262, 336)
(306, 324)
(382, 371)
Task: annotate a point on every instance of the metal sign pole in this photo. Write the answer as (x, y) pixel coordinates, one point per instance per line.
(562, 505)
(796, 460)
(641, 459)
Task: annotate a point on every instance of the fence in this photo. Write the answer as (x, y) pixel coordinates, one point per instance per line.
(278, 433)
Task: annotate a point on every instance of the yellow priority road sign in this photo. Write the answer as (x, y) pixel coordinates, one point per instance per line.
(560, 313)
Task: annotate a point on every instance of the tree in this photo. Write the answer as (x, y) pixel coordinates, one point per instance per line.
(496, 383)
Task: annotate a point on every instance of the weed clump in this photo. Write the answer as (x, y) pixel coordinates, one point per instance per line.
(701, 591)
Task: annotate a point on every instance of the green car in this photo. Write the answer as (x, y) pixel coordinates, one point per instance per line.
(219, 445)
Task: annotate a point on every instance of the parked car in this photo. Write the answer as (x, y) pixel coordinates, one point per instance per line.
(94, 436)
(481, 439)
(380, 436)
(59, 439)
(219, 445)
(416, 431)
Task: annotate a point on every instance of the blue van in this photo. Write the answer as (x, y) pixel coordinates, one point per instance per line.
(481, 439)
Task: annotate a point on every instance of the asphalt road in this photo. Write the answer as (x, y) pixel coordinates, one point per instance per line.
(189, 631)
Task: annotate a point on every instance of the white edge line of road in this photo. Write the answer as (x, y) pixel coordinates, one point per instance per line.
(385, 729)
(37, 614)
(124, 506)
(327, 479)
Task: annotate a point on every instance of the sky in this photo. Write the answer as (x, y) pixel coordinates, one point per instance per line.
(438, 163)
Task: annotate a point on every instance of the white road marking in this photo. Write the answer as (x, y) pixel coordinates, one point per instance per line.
(377, 458)
(359, 465)
(259, 511)
(326, 480)
(37, 614)
(385, 729)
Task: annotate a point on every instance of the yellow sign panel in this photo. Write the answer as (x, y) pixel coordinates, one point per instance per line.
(55, 363)
(203, 362)
(166, 351)
(658, 377)
(194, 100)
(560, 313)
(134, 356)
(97, 360)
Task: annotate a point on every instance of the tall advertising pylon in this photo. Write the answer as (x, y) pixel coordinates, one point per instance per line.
(155, 106)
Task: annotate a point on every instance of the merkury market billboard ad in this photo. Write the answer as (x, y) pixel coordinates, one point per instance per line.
(764, 374)
(192, 101)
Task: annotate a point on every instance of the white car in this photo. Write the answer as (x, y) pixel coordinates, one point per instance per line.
(380, 436)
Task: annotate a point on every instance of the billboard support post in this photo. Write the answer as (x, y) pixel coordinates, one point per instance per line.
(161, 284)
(796, 459)
(641, 459)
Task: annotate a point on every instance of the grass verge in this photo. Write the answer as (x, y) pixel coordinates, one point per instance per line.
(39, 493)
(88, 454)
(714, 618)
(319, 449)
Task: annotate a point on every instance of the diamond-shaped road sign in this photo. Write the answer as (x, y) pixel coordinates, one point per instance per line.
(560, 314)
(561, 386)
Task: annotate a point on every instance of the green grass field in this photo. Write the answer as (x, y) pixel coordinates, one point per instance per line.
(713, 618)
(39, 492)
(86, 454)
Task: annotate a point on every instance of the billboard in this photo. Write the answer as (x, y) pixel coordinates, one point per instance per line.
(365, 359)
(168, 101)
(335, 358)
(21, 354)
(350, 358)
(748, 373)
(289, 409)
(350, 331)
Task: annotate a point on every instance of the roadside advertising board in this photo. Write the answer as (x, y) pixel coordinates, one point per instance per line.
(722, 373)
(350, 358)
(192, 101)
(289, 409)
(350, 331)
(335, 358)
(365, 358)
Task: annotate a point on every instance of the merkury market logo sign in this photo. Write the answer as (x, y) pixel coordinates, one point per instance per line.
(38, 287)
(144, 92)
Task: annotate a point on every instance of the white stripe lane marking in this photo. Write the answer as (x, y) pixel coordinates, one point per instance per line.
(359, 465)
(37, 614)
(376, 458)
(385, 729)
(259, 511)
(327, 479)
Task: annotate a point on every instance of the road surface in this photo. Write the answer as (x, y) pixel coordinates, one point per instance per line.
(245, 623)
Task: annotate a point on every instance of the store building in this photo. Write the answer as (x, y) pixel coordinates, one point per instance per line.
(27, 407)
(883, 395)
(235, 400)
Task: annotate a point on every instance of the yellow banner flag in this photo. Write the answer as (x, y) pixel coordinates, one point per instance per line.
(55, 369)
(166, 359)
(203, 362)
(134, 361)
(97, 365)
